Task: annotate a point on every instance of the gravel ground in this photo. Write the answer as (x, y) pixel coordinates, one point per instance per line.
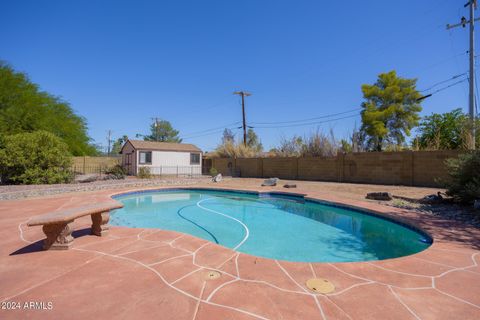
(450, 211)
(27, 191)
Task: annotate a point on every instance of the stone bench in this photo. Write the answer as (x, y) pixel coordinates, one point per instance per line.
(57, 225)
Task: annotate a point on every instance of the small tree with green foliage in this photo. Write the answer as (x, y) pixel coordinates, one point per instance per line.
(464, 172)
(118, 144)
(35, 158)
(163, 131)
(390, 110)
(446, 131)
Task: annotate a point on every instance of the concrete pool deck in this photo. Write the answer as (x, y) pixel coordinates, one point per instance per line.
(149, 273)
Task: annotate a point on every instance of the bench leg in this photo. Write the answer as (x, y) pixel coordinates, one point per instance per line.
(59, 236)
(99, 223)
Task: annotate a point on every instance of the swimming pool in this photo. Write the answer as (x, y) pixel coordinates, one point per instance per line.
(271, 225)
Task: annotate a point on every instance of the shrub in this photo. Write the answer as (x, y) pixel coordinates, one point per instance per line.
(117, 172)
(464, 182)
(318, 144)
(39, 157)
(213, 172)
(288, 147)
(230, 149)
(144, 173)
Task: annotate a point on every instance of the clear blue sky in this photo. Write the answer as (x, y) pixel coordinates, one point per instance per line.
(120, 63)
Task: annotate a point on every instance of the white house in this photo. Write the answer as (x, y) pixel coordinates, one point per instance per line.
(162, 158)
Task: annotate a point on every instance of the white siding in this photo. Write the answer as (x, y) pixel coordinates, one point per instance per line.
(171, 163)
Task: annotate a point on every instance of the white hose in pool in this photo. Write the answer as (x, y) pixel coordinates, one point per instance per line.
(247, 232)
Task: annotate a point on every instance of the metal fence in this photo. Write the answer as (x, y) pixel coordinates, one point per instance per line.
(90, 168)
(167, 171)
(175, 171)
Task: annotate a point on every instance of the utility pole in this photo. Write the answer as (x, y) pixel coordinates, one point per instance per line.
(472, 4)
(243, 94)
(109, 140)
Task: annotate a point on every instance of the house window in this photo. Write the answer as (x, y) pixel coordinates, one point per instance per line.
(146, 157)
(194, 158)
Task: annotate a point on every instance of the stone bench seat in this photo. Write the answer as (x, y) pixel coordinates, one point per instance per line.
(57, 225)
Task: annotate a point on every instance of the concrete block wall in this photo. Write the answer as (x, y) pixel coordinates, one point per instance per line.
(429, 169)
(324, 169)
(378, 167)
(249, 167)
(410, 168)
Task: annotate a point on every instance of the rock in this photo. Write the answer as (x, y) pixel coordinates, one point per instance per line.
(290, 185)
(476, 204)
(383, 196)
(217, 178)
(432, 198)
(83, 178)
(272, 182)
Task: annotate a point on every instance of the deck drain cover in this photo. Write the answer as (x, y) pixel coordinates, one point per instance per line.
(212, 275)
(320, 285)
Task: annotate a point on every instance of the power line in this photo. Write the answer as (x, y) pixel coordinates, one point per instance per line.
(444, 81)
(449, 86)
(206, 134)
(456, 60)
(308, 119)
(306, 124)
(207, 130)
(211, 133)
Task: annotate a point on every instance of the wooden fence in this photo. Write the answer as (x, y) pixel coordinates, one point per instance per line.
(411, 168)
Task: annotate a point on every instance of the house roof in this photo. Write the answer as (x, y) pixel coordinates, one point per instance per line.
(162, 146)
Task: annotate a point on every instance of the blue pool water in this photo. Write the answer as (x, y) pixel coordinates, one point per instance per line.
(271, 226)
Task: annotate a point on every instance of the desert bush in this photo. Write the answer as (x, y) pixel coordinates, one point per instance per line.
(39, 157)
(117, 172)
(213, 172)
(230, 149)
(318, 144)
(144, 173)
(288, 147)
(464, 174)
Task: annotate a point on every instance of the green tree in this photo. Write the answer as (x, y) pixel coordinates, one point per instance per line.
(163, 131)
(25, 108)
(118, 144)
(390, 110)
(253, 141)
(448, 130)
(39, 157)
